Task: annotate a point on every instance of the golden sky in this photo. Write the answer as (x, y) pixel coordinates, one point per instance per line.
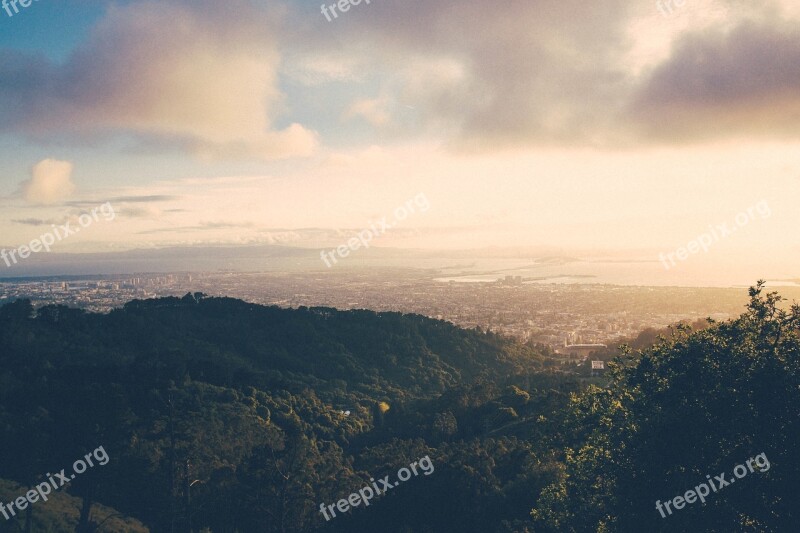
(615, 127)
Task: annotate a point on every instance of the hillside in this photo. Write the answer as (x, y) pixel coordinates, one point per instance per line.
(247, 394)
(62, 511)
(215, 415)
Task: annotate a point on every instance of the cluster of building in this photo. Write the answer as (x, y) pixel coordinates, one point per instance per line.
(101, 294)
(573, 319)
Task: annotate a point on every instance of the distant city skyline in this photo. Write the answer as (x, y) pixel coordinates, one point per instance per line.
(544, 313)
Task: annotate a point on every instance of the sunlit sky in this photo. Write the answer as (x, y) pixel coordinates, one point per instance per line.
(615, 127)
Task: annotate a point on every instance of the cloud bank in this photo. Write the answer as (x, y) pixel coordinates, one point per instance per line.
(252, 82)
(162, 70)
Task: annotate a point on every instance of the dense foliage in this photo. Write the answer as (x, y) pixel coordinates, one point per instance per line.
(695, 404)
(222, 416)
(229, 416)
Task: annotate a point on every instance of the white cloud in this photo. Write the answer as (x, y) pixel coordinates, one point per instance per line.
(313, 70)
(50, 182)
(372, 110)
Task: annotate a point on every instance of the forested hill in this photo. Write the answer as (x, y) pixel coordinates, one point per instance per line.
(219, 416)
(271, 411)
(229, 342)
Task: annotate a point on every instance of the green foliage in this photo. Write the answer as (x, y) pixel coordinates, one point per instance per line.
(60, 513)
(229, 417)
(697, 403)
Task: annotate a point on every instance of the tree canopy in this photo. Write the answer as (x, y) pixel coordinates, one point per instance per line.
(695, 404)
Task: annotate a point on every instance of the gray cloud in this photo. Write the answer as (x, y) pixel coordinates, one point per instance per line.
(125, 199)
(190, 75)
(203, 226)
(36, 221)
(522, 71)
(482, 76)
(538, 72)
(144, 199)
(746, 81)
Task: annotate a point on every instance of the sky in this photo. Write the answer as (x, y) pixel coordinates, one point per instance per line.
(617, 128)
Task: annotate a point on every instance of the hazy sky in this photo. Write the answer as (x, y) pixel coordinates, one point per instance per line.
(615, 126)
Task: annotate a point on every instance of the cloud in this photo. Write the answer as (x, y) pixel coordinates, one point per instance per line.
(721, 84)
(293, 141)
(544, 71)
(567, 72)
(50, 182)
(321, 68)
(35, 221)
(142, 199)
(243, 82)
(162, 70)
(372, 110)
